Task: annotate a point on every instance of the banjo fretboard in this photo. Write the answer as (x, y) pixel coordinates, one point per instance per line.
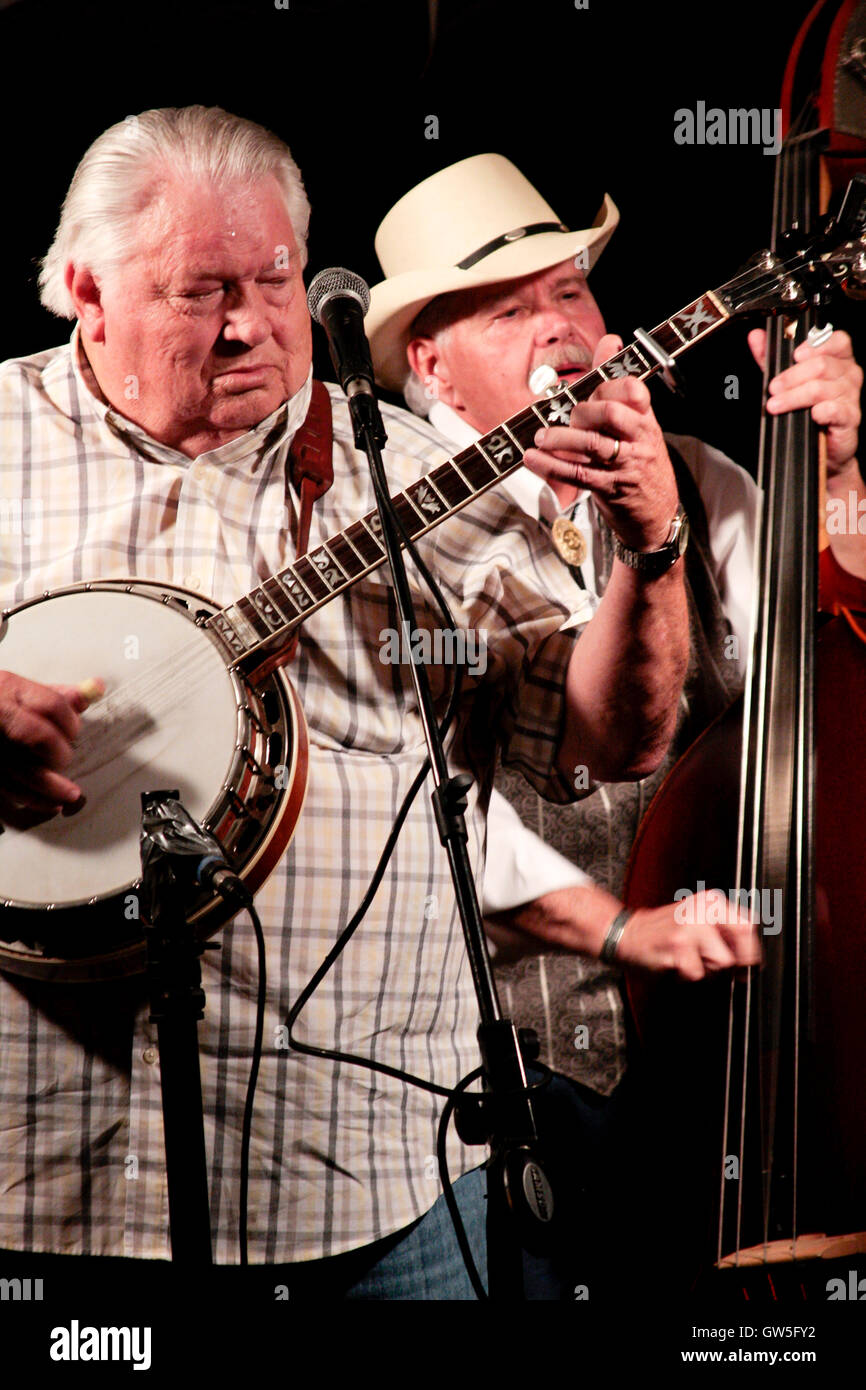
(267, 615)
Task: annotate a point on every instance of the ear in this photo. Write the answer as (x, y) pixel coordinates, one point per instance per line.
(87, 299)
(429, 363)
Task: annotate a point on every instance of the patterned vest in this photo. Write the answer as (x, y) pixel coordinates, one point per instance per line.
(574, 1002)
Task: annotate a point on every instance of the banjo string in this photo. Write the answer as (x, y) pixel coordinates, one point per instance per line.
(128, 711)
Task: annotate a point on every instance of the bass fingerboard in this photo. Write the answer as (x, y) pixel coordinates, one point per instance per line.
(266, 616)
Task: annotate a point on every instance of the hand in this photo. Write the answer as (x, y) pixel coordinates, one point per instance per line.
(710, 935)
(636, 490)
(825, 380)
(38, 724)
(717, 936)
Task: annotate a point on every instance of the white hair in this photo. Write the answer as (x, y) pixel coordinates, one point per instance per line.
(416, 395)
(126, 168)
(435, 321)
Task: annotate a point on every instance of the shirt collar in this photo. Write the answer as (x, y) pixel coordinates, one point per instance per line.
(275, 430)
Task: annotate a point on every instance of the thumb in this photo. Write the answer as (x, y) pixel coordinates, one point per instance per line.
(82, 696)
(757, 341)
(608, 346)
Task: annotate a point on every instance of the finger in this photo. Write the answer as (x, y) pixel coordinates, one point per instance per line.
(837, 345)
(757, 341)
(626, 389)
(608, 346)
(588, 449)
(839, 378)
(744, 942)
(30, 740)
(836, 415)
(82, 696)
(20, 817)
(715, 954)
(813, 368)
(811, 393)
(564, 470)
(592, 473)
(39, 788)
(689, 963)
(602, 420)
(49, 706)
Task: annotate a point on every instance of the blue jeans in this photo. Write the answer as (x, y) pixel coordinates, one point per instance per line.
(425, 1262)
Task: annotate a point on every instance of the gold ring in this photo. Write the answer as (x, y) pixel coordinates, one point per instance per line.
(615, 455)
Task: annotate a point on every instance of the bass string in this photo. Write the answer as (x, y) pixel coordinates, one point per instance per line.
(790, 182)
(746, 1040)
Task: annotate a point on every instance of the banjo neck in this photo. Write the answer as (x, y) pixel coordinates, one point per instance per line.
(254, 627)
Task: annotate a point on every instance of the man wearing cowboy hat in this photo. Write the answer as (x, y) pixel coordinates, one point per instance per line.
(484, 286)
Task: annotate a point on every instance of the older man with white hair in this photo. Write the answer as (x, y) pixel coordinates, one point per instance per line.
(485, 288)
(157, 445)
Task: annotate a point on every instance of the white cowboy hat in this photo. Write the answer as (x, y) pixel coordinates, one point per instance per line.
(472, 224)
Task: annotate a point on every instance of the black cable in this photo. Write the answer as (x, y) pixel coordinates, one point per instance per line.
(444, 1176)
(447, 1188)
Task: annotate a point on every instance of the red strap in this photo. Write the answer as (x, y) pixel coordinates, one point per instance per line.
(310, 452)
(311, 463)
(311, 472)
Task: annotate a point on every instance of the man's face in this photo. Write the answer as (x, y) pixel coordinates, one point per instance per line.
(482, 363)
(205, 330)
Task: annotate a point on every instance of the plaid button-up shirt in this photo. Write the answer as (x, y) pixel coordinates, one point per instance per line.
(340, 1156)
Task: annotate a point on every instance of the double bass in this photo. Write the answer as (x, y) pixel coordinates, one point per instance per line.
(768, 805)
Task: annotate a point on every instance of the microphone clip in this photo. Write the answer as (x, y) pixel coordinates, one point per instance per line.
(179, 856)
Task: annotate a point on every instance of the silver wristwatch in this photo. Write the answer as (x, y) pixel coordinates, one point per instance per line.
(652, 563)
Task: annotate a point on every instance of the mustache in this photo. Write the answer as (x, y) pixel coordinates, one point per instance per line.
(565, 356)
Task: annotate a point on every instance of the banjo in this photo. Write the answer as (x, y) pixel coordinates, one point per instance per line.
(230, 733)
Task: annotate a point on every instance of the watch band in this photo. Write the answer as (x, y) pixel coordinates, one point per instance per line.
(614, 932)
(652, 563)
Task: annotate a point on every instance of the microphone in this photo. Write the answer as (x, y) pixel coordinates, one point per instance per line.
(176, 847)
(338, 299)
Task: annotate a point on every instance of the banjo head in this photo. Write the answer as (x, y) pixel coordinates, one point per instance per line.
(173, 716)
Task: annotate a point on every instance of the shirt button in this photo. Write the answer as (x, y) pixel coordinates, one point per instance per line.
(150, 1055)
(193, 581)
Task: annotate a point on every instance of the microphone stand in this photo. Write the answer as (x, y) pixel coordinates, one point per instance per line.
(177, 1005)
(519, 1198)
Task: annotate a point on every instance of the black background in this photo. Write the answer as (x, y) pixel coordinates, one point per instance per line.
(581, 100)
